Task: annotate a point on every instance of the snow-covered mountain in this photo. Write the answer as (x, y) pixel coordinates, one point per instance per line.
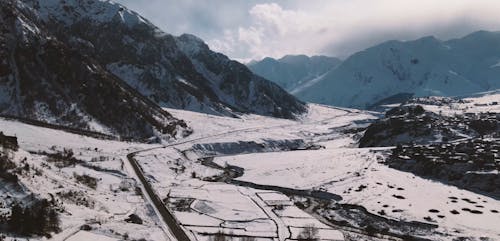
(177, 72)
(42, 78)
(294, 72)
(423, 67)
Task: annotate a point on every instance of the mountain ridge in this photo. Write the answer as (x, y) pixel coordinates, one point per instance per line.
(293, 72)
(43, 79)
(393, 69)
(423, 67)
(93, 64)
(167, 69)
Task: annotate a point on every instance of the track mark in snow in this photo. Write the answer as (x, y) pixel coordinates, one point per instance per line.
(282, 234)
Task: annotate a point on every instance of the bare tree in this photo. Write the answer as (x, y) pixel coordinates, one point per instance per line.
(309, 233)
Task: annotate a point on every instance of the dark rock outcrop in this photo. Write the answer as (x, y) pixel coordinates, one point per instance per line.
(411, 124)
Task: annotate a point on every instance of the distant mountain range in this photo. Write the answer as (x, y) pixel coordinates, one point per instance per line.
(294, 72)
(98, 66)
(395, 71)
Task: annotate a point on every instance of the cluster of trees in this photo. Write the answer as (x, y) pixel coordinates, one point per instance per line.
(9, 142)
(38, 218)
(484, 126)
(86, 180)
(63, 159)
(7, 167)
(309, 233)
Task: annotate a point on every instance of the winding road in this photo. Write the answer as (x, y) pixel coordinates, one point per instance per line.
(174, 227)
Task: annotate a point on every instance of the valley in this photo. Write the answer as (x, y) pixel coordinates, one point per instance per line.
(112, 129)
(251, 177)
(358, 175)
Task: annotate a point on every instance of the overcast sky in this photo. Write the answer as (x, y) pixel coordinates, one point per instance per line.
(253, 29)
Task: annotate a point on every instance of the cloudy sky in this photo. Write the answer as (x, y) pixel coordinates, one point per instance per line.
(253, 29)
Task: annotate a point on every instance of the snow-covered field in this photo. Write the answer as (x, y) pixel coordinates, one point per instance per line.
(241, 192)
(360, 179)
(341, 168)
(319, 121)
(211, 207)
(34, 138)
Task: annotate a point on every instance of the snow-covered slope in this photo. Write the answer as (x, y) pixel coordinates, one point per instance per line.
(293, 71)
(42, 78)
(177, 72)
(423, 67)
(102, 210)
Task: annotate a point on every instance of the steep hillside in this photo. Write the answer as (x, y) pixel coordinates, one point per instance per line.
(44, 79)
(293, 72)
(423, 67)
(177, 72)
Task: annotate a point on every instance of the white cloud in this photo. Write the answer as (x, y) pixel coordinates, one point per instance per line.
(259, 28)
(271, 26)
(342, 27)
(250, 36)
(224, 44)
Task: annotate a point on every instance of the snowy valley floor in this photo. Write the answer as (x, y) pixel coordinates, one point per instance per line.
(242, 193)
(254, 177)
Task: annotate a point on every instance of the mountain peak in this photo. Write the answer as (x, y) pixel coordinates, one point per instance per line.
(481, 35)
(98, 11)
(294, 58)
(191, 44)
(484, 33)
(191, 38)
(429, 38)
